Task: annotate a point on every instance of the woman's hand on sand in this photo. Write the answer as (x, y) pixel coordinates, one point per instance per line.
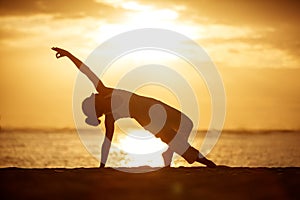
(102, 165)
(60, 52)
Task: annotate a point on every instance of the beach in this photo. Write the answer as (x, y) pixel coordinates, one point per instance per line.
(54, 164)
(166, 183)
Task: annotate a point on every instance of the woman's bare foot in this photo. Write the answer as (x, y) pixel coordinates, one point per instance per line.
(206, 162)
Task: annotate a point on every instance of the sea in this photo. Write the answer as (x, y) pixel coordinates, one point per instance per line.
(68, 148)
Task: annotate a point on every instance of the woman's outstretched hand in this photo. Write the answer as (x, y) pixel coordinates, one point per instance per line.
(60, 52)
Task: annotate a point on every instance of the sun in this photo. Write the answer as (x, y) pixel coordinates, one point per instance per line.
(147, 16)
(141, 142)
(142, 148)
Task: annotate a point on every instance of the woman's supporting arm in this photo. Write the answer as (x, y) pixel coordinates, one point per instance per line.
(82, 67)
(109, 132)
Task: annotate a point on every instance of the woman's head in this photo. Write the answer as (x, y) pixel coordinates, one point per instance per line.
(89, 109)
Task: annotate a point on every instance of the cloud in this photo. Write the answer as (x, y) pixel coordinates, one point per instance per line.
(8, 33)
(58, 8)
(281, 39)
(31, 21)
(276, 22)
(257, 24)
(240, 12)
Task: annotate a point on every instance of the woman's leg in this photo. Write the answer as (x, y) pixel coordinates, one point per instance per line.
(183, 148)
(167, 156)
(180, 144)
(177, 140)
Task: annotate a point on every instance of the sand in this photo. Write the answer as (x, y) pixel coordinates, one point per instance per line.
(167, 183)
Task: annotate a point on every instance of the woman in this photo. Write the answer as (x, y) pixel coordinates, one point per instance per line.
(165, 122)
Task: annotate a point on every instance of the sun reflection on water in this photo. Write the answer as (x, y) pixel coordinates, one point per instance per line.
(142, 148)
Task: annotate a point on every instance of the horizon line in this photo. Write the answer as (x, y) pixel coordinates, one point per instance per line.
(73, 129)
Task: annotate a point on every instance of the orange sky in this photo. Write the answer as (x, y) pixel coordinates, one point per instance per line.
(255, 45)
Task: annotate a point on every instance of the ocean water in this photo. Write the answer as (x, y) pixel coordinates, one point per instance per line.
(64, 148)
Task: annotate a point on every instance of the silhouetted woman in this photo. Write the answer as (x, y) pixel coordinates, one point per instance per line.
(165, 122)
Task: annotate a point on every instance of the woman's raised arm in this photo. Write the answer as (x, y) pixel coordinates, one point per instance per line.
(82, 67)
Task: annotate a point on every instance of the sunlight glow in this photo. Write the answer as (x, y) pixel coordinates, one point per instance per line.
(154, 16)
(145, 16)
(131, 144)
(142, 148)
(131, 5)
